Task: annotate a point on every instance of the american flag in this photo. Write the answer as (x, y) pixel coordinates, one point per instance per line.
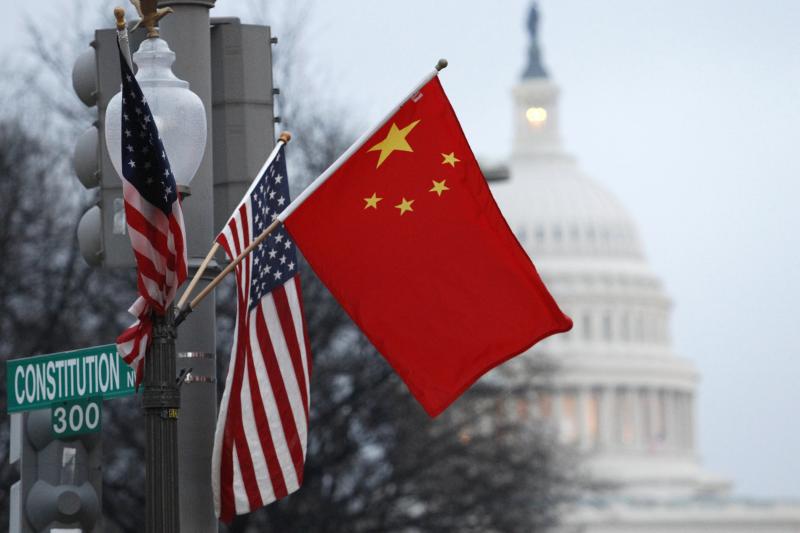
(260, 441)
(154, 219)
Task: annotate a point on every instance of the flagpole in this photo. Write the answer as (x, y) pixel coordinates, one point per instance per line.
(122, 35)
(440, 65)
(183, 310)
(197, 275)
(228, 269)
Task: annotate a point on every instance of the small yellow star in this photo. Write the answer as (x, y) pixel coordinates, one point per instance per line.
(395, 140)
(404, 206)
(439, 187)
(372, 201)
(450, 159)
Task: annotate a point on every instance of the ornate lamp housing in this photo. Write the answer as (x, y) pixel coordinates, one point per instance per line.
(179, 113)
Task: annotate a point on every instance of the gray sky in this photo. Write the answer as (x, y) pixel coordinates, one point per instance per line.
(688, 111)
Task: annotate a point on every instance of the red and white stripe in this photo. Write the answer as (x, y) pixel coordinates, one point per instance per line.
(133, 342)
(262, 427)
(158, 242)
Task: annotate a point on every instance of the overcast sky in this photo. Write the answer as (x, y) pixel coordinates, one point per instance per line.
(688, 110)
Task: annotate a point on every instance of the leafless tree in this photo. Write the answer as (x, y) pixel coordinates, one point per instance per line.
(50, 300)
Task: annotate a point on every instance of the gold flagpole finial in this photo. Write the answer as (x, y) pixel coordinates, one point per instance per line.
(285, 136)
(149, 15)
(119, 14)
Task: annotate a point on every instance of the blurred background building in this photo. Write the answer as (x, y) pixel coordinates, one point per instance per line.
(619, 394)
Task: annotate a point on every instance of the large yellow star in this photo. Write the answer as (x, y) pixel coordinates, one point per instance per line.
(372, 201)
(404, 206)
(395, 140)
(439, 187)
(450, 159)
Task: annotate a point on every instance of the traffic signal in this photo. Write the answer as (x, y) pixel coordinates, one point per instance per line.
(60, 483)
(101, 231)
(243, 133)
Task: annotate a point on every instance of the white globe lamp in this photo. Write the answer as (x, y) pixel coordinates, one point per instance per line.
(179, 113)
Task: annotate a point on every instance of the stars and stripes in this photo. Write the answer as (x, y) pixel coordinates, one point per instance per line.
(261, 435)
(154, 219)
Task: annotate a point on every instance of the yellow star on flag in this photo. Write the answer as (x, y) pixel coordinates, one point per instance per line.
(395, 141)
(450, 159)
(439, 187)
(404, 206)
(372, 201)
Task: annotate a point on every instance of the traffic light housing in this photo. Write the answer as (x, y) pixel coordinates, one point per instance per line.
(102, 233)
(60, 483)
(243, 132)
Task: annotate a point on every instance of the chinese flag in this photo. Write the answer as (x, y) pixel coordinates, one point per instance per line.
(408, 238)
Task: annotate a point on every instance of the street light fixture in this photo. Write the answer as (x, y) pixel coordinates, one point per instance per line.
(179, 113)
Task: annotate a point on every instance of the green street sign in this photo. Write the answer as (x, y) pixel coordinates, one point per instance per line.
(77, 418)
(43, 380)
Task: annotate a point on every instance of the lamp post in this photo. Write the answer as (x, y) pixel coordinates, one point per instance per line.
(181, 120)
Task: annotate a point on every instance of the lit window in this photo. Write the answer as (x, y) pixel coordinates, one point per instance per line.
(569, 418)
(593, 417)
(522, 409)
(625, 417)
(545, 404)
(536, 116)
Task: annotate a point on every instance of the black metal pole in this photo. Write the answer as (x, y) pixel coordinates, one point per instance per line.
(161, 401)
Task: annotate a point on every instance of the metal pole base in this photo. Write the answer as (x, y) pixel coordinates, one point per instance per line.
(161, 402)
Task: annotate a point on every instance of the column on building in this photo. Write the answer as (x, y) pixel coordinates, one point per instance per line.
(690, 422)
(607, 417)
(654, 436)
(635, 413)
(672, 439)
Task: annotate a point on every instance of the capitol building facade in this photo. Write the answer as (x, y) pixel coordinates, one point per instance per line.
(619, 394)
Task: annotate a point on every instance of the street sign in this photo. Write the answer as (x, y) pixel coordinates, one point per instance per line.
(77, 418)
(43, 380)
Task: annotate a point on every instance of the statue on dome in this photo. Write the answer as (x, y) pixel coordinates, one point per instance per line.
(534, 68)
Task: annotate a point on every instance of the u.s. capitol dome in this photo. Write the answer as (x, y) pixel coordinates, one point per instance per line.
(619, 394)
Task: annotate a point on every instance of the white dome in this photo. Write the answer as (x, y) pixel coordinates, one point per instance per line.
(618, 393)
(612, 388)
(555, 210)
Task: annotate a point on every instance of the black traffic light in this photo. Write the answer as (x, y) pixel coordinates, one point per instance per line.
(102, 231)
(60, 483)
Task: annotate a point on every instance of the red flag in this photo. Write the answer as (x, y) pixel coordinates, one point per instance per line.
(408, 238)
